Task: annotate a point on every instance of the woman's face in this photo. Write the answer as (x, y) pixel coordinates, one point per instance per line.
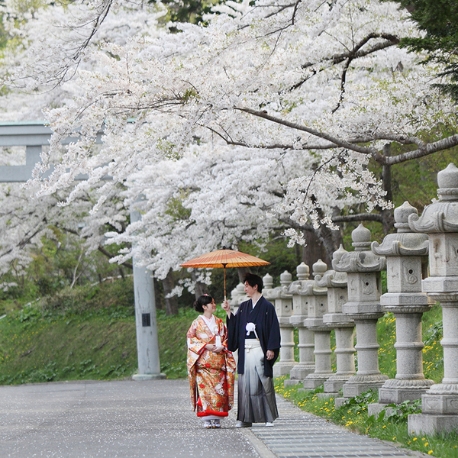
(211, 307)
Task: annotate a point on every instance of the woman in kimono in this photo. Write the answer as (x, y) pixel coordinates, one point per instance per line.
(211, 366)
(255, 332)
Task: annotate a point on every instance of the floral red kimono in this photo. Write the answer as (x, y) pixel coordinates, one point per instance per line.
(211, 375)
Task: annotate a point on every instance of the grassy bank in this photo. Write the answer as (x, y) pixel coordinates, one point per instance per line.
(85, 333)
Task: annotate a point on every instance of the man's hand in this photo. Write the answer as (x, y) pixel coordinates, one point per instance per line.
(270, 354)
(227, 307)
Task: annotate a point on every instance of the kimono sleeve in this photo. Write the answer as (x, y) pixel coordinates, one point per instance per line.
(274, 340)
(195, 345)
(232, 332)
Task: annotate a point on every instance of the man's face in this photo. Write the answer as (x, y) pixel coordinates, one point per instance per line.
(250, 290)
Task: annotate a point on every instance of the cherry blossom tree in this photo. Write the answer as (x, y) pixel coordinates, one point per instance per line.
(269, 117)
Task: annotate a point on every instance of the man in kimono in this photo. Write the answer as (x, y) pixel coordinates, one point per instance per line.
(255, 332)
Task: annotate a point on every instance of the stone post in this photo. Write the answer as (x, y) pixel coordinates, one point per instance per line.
(440, 221)
(306, 364)
(283, 307)
(406, 253)
(318, 306)
(343, 325)
(364, 289)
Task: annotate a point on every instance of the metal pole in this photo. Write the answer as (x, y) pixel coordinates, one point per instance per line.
(149, 366)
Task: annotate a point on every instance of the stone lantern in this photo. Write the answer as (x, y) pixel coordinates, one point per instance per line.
(318, 306)
(238, 296)
(440, 221)
(343, 325)
(284, 300)
(406, 253)
(268, 282)
(298, 289)
(283, 306)
(363, 306)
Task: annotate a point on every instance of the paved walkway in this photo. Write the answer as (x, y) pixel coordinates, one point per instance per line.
(154, 419)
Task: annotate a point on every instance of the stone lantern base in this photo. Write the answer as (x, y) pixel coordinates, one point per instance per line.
(298, 373)
(358, 384)
(398, 391)
(283, 368)
(355, 387)
(432, 424)
(439, 411)
(313, 381)
(335, 383)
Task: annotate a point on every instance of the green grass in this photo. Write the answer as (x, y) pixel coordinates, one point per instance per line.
(35, 348)
(85, 333)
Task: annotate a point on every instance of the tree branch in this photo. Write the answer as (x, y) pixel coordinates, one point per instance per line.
(426, 150)
(355, 53)
(358, 217)
(336, 141)
(109, 255)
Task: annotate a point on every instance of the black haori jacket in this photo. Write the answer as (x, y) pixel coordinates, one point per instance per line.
(267, 329)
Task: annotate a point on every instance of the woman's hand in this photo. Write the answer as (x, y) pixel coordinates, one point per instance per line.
(214, 348)
(270, 354)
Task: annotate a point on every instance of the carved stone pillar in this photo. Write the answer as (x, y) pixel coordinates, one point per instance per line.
(283, 307)
(406, 252)
(343, 325)
(318, 306)
(440, 221)
(364, 288)
(306, 364)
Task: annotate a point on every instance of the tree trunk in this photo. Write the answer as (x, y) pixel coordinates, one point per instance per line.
(171, 303)
(242, 271)
(200, 288)
(314, 249)
(321, 244)
(387, 214)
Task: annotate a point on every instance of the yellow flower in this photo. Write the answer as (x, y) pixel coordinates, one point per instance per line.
(414, 439)
(430, 452)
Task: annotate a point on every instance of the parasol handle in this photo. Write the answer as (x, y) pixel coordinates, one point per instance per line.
(224, 269)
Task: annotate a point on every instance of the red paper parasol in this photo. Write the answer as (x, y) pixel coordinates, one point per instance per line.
(222, 259)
